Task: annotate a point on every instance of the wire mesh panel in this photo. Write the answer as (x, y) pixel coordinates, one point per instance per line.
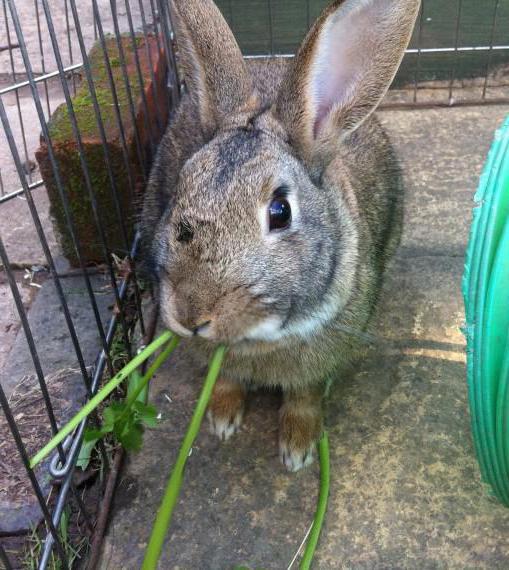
(85, 93)
(459, 53)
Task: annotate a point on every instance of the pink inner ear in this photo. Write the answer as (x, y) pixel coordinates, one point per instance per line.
(342, 52)
(329, 88)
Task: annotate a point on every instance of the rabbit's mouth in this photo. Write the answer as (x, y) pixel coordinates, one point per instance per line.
(236, 318)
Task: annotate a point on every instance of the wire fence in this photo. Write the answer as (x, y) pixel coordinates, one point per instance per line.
(459, 53)
(85, 92)
(60, 59)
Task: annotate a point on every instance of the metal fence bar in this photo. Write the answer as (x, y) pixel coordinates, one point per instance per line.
(127, 83)
(408, 51)
(39, 78)
(19, 191)
(116, 107)
(490, 53)
(49, 258)
(151, 65)
(168, 37)
(78, 435)
(419, 43)
(38, 368)
(159, 32)
(85, 167)
(41, 51)
(125, 152)
(113, 184)
(69, 42)
(56, 172)
(45, 247)
(456, 44)
(23, 454)
(141, 82)
(31, 348)
(18, 105)
(271, 25)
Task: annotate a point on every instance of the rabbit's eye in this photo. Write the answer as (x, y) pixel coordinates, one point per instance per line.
(280, 214)
(184, 232)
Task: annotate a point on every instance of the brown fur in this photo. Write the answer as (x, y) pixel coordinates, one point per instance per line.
(227, 400)
(239, 133)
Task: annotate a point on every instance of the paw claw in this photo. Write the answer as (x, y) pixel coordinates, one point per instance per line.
(224, 428)
(296, 459)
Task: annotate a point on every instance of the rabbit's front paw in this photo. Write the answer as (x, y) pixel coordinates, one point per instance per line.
(226, 408)
(224, 427)
(300, 426)
(295, 459)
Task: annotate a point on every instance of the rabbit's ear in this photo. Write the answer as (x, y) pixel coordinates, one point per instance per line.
(342, 71)
(214, 70)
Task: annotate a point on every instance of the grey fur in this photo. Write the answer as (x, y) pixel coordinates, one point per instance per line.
(216, 168)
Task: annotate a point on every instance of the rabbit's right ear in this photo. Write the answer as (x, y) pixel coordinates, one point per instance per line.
(342, 71)
(214, 70)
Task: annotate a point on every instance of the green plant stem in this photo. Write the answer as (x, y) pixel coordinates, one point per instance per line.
(153, 368)
(92, 404)
(309, 552)
(165, 512)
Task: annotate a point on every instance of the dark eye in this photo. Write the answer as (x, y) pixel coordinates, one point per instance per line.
(184, 232)
(280, 214)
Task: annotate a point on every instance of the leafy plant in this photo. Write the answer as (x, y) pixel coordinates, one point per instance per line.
(124, 420)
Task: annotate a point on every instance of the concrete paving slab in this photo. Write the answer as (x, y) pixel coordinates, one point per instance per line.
(406, 490)
(9, 320)
(16, 225)
(19, 510)
(68, 43)
(48, 326)
(442, 153)
(19, 234)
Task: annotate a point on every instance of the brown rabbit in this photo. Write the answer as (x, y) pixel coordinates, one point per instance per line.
(274, 204)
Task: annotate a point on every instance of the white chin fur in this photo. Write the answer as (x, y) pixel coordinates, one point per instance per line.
(270, 329)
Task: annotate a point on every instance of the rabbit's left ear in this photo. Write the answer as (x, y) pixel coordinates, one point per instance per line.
(214, 70)
(342, 71)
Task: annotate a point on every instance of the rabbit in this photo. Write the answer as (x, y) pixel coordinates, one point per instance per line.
(274, 203)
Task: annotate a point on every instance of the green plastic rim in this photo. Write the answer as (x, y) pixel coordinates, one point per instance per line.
(485, 286)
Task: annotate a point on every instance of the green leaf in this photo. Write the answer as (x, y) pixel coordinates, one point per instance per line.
(123, 426)
(93, 434)
(112, 414)
(135, 380)
(147, 414)
(64, 525)
(133, 438)
(86, 451)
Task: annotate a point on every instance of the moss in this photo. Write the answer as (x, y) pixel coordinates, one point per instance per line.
(81, 204)
(60, 126)
(68, 157)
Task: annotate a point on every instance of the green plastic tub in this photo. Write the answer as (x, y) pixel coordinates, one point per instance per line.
(486, 295)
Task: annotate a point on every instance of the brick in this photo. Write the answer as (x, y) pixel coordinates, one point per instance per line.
(67, 155)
